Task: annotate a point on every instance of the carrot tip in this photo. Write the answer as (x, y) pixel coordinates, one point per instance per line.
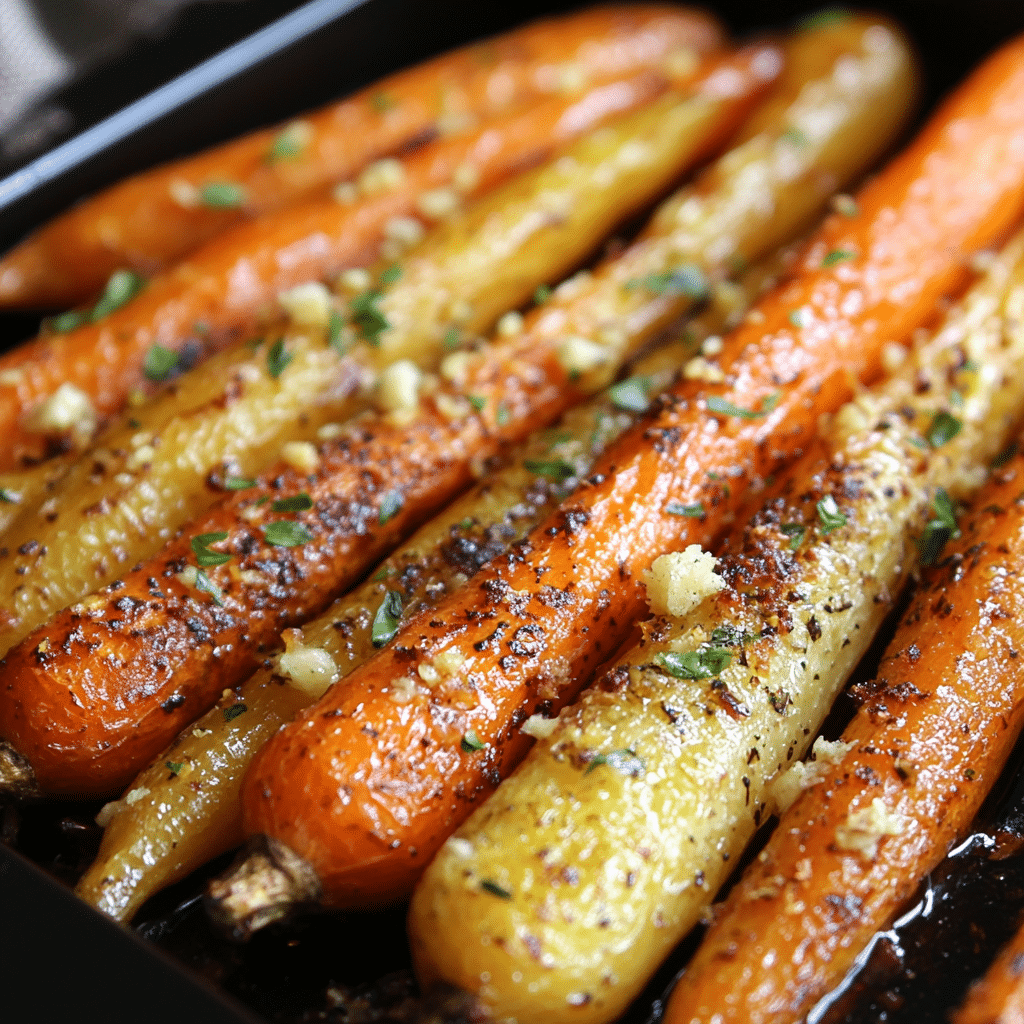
(266, 883)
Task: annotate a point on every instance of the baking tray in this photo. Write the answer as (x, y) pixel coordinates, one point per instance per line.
(61, 961)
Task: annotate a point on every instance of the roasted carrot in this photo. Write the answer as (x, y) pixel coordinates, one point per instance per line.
(929, 741)
(152, 472)
(657, 778)
(367, 784)
(154, 218)
(223, 291)
(998, 997)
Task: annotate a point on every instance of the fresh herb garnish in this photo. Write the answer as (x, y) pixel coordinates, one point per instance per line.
(795, 532)
(390, 275)
(121, 287)
(390, 503)
(838, 256)
(554, 469)
(222, 195)
(286, 534)
(452, 338)
(827, 16)
(631, 394)
(336, 332)
(478, 402)
(944, 427)
(495, 890)
(205, 584)
(720, 406)
(502, 415)
(288, 143)
(795, 136)
(278, 357)
(231, 713)
(625, 760)
(160, 362)
(541, 294)
(300, 502)
(702, 664)
(63, 323)
(238, 483)
(471, 742)
(694, 511)
(732, 636)
(8, 497)
(381, 102)
(367, 317)
(830, 515)
(1004, 456)
(201, 549)
(938, 530)
(688, 280)
(174, 766)
(386, 621)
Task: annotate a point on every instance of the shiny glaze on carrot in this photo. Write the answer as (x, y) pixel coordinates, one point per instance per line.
(154, 218)
(368, 783)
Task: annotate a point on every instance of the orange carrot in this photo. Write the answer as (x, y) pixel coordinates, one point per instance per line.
(154, 218)
(368, 783)
(998, 997)
(222, 291)
(920, 756)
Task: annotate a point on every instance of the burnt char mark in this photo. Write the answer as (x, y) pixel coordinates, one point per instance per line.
(468, 554)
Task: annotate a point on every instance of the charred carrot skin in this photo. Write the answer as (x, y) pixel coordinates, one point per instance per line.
(998, 997)
(931, 738)
(222, 292)
(154, 218)
(530, 629)
(369, 488)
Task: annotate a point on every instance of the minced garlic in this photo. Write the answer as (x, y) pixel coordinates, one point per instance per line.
(307, 305)
(865, 828)
(678, 582)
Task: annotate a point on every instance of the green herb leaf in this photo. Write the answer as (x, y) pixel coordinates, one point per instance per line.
(625, 760)
(495, 890)
(278, 357)
(478, 402)
(555, 469)
(732, 636)
(944, 427)
(1004, 456)
(336, 333)
(795, 137)
(471, 743)
(702, 664)
(231, 713)
(838, 256)
(238, 483)
(694, 511)
(201, 549)
(222, 195)
(122, 287)
(160, 362)
(367, 317)
(284, 533)
(720, 406)
(502, 415)
(631, 394)
(382, 102)
(830, 515)
(300, 502)
(8, 497)
(821, 19)
(387, 620)
(452, 338)
(938, 530)
(390, 275)
(174, 766)
(795, 532)
(62, 323)
(288, 144)
(541, 294)
(205, 584)
(390, 503)
(688, 280)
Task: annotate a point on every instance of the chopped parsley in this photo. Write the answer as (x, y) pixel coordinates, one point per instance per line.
(541, 294)
(795, 137)
(631, 394)
(300, 502)
(694, 511)
(238, 483)
(938, 530)
(471, 742)
(390, 275)
(390, 503)
(702, 664)
(336, 332)
(286, 534)
(721, 407)
(502, 415)
(838, 256)
(795, 532)
(386, 621)
(63, 323)
(495, 890)
(222, 195)
(625, 760)
(201, 549)
(554, 469)
(174, 766)
(830, 515)
(478, 402)
(288, 143)
(944, 427)
(278, 357)
(732, 636)
(382, 102)
(231, 713)
(452, 338)
(121, 287)
(688, 280)
(367, 317)
(160, 362)
(205, 584)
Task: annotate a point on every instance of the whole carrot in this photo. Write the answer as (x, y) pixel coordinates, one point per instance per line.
(223, 291)
(154, 218)
(368, 783)
(930, 740)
